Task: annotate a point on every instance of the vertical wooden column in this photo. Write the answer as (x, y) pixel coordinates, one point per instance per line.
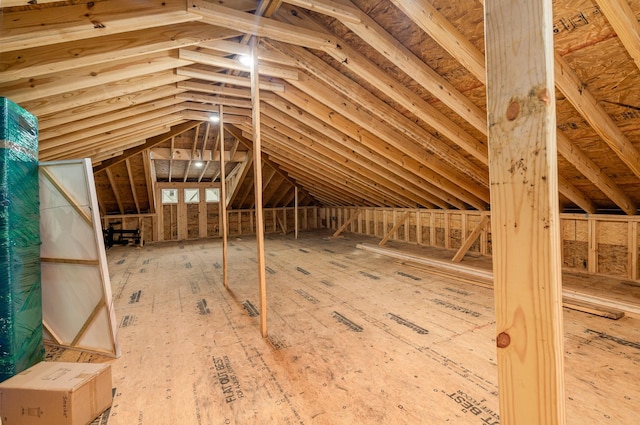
(257, 172)
(418, 227)
(432, 231)
(159, 216)
(524, 211)
(181, 215)
(592, 244)
(202, 214)
(295, 210)
(633, 272)
(224, 231)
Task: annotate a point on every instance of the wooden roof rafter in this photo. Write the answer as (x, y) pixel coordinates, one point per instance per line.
(447, 36)
(360, 161)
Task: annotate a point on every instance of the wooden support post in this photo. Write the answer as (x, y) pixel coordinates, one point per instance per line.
(346, 223)
(385, 222)
(471, 239)
(257, 164)
(223, 200)
(295, 210)
(418, 227)
(464, 224)
(432, 226)
(181, 216)
(407, 229)
(524, 211)
(367, 222)
(141, 227)
(400, 222)
(484, 240)
(274, 213)
(592, 246)
(634, 250)
(284, 220)
(447, 229)
(154, 226)
(375, 222)
(160, 216)
(305, 218)
(202, 214)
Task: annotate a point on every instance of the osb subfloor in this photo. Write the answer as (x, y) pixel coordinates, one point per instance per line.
(354, 338)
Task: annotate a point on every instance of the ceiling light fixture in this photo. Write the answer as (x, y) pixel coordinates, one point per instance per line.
(245, 60)
(198, 164)
(214, 118)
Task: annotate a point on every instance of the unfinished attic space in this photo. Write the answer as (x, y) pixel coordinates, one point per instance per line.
(319, 212)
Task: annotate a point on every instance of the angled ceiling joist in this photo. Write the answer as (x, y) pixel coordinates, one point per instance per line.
(178, 129)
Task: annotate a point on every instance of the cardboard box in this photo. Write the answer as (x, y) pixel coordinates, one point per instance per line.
(56, 393)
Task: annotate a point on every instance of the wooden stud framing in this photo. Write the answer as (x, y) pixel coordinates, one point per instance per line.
(346, 223)
(432, 227)
(295, 209)
(223, 199)
(634, 251)
(592, 255)
(471, 239)
(257, 164)
(393, 230)
(524, 213)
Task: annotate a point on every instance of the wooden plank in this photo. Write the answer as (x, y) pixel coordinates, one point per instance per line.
(258, 26)
(115, 190)
(64, 56)
(70, 261)
(151, 142)
(227, 79)
(592, 253)
(71, 23)
(592, 308)
(446, 34)
(159, 215)
(399, 223)
(419, 226)
(587, 105)
(438, 27)
(634, 250)
(306, 114)
(624, 22)
(295, 211)
(395, 129)
(182, 216)
(432, 227)
(473, 272)
(204, 58)
(59, 83)
(132, 185)
(283, 226)
(524, 211)
(475, 234)
(374, 75)
(571, 298)
(223, 200)
(257, 172)
(447, 229)
(67, 196)
(346, 223)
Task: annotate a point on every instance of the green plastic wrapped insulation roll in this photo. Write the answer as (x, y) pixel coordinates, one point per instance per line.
(20, 289)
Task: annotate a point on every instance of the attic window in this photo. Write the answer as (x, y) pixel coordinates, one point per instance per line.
(212, 194)
(169, 196)
(191, 196)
